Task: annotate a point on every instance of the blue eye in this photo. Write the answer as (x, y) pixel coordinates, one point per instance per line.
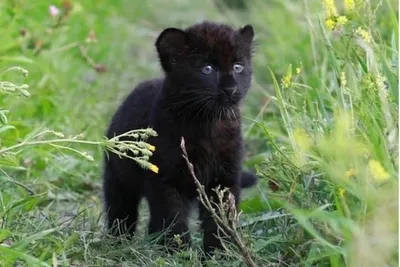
(207, 69)
(238, 68)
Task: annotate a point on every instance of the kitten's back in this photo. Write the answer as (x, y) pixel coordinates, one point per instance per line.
(135, 109)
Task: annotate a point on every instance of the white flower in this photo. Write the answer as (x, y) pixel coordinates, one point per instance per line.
(54, 11)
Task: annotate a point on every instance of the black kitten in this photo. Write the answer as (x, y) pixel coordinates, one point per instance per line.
(207, 73)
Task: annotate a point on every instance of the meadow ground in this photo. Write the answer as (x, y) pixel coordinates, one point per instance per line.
(321, 126)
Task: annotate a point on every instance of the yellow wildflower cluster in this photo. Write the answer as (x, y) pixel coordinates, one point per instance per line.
(330, 23)
(330, 8)
(350, 5)
(364, 34)
(341, 20)
(333, 20)
(287, 79)
(377, 171)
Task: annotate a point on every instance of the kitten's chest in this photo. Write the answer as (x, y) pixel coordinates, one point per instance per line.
(218, 142)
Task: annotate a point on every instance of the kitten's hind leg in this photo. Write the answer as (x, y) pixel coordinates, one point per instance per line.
(121, 204)
(169, 213)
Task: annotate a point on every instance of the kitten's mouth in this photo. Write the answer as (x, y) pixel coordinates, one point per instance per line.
(232, 99)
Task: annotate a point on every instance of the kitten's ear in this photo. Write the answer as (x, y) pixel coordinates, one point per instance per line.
(247, 33)
(170, 45)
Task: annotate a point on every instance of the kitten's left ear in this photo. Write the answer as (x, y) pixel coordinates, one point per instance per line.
(247, 33)
(170, 45)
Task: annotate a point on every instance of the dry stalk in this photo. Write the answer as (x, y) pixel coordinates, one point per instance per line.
(224, 214)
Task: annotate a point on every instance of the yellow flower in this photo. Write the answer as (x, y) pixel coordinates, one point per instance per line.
(153, 168)
(152, 148)
(298, 70)
(341, 20)
(350, 173)
(330, 8)
(330, 24)
(350, 5)
(364, 34)
(341, 192)
(287, 79)
(377, 171)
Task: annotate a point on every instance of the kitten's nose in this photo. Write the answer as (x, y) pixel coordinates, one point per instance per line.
(229, 90)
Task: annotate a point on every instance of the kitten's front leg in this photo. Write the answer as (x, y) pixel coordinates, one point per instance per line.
(169, 212)
(212, 237)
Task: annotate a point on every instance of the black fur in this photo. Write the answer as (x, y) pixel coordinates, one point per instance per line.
(204, 109)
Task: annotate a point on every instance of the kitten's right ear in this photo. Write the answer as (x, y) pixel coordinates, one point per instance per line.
(170, 45)
(247, 33)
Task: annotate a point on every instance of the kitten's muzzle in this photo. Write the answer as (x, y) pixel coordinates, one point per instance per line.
(229, 91)
(227, 84)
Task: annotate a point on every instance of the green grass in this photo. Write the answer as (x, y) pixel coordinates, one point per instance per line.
(326, 151)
